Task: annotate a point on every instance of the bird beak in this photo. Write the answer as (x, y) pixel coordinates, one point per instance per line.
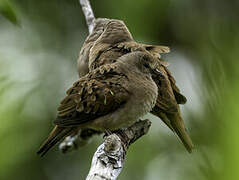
(158, 72)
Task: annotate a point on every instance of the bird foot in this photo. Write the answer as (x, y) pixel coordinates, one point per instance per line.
(68, 144)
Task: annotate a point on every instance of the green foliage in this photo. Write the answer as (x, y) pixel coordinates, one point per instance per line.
(8, 11)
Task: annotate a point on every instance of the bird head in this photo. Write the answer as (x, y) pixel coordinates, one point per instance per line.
(99, 26)
(114, 31)
(142, 62)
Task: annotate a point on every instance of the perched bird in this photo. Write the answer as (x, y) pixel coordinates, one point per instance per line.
(115, 41)
(110, 97)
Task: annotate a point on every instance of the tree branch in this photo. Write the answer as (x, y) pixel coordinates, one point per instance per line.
(109, 158)
(88, 12)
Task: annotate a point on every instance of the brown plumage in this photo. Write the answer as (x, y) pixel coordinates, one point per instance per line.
(116, 41)
(106, 98)
(83, 60)
(167, 106)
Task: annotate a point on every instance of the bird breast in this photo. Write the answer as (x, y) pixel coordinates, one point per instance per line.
(145, 94)
(143, 99)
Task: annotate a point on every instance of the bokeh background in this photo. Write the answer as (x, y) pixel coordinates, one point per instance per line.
(39, 45)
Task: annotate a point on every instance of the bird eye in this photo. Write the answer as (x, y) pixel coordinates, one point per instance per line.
(146, 65)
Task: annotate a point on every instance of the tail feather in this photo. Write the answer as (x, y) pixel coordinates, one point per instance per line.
(55, 136)
(179, 128)
(175, 122)
(164, 118)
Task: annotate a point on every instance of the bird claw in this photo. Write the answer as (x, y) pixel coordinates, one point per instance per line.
(68, 144)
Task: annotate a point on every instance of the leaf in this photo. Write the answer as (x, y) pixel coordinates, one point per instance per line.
(8, 12)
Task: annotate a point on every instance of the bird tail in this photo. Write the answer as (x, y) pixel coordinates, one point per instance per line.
(55, 136)
(178, 126)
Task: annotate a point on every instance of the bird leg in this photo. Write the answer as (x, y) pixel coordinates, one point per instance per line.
(77, 140)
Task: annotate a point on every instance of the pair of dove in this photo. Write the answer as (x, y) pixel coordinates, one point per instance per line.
(120, 81)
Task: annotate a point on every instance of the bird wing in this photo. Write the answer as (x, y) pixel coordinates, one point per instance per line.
(98, 93)
(180, 98)
(166, 101)
(167, 107)
(156, 49)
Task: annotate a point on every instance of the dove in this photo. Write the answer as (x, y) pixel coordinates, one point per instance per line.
(115, 41)
(108, 98)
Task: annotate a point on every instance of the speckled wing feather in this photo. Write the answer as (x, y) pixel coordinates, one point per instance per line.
(156, 49)
(96, 94)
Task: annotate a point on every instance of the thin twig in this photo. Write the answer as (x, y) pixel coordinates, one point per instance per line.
(89, 15)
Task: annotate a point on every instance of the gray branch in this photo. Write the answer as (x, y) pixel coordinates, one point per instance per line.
(89, 15)
(109, 158)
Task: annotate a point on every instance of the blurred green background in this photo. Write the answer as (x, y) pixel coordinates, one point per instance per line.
(38, 63)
